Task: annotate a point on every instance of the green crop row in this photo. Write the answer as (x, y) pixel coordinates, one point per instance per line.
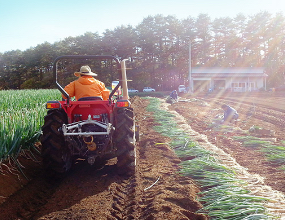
(21, 117)
(273, 152)
(222, 194)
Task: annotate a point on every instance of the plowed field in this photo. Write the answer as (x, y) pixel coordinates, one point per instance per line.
(156, 191)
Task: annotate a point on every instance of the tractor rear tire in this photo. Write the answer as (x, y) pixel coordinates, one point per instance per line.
(124, 139)
(55, 153)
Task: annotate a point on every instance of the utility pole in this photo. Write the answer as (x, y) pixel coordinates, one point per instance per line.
(190, 70)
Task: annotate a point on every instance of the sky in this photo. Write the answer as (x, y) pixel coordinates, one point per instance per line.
(27, 23)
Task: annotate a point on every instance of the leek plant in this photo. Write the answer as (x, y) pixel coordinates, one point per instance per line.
(222, 193)
(21, 117)
(273, 153)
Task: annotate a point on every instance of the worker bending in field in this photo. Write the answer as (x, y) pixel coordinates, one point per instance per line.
(174, 95)
(230, 114)
(86, 85)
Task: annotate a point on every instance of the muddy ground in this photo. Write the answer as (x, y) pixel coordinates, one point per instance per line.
(99, 193)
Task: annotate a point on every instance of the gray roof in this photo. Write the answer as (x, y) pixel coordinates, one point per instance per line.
(227, 72)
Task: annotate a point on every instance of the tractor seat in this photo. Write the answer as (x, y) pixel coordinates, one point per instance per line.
(90, 98)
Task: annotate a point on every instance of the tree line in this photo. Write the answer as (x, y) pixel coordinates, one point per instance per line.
(157, 50)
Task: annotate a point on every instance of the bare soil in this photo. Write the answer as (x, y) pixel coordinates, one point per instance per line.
(89, 192)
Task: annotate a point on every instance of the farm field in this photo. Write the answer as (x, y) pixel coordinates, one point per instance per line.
(263, 110)
(157, 191)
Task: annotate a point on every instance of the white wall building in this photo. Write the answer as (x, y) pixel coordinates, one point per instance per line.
(232, 79)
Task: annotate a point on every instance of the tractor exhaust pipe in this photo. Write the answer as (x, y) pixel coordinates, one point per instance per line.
(124, 80)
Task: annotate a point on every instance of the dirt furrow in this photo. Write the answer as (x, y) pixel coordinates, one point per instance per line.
(262, 112)
(200, 116)
(161, 192)
(124, 199)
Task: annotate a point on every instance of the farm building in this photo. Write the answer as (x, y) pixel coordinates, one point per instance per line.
(232, 79)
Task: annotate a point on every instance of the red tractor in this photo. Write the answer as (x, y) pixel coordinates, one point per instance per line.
(89, 129)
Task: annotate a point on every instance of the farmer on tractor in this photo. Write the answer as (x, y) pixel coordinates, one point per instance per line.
(86, 85)
(89, 129)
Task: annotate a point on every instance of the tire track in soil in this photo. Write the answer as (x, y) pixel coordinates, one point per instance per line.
(83, 195)
(124, 199)
(87, 192)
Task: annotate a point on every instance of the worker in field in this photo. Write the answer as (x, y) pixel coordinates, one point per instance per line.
(86, 85)
(230, 114)
(172, 98)
(174, 95)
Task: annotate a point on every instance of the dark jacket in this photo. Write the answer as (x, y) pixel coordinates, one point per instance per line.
(174, 95)
(230, 113)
